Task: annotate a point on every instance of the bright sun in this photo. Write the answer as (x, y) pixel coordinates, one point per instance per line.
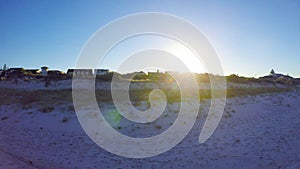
(186, 56)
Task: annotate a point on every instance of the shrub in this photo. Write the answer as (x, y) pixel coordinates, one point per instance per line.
(4, 118)
(64, 119)
(28, 98)
(46, 109)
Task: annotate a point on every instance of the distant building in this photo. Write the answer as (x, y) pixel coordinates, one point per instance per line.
(154, 73)
(80, 72)
(135, 75)
(297, 81)
(14, 72)
(44, 70)
(101, 71)
(10, 70)
(54, 73)
(70, 72)
(277, 77)
(32, 71)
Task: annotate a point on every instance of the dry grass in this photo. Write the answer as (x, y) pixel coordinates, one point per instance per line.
(41, 98)
(255, 91)
(52, 98)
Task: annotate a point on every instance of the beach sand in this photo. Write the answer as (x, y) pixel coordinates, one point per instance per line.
(255, 132)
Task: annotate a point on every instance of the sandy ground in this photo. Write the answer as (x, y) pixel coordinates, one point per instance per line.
(257, 132)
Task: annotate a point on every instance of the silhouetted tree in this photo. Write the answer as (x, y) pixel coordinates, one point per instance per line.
(272, 72)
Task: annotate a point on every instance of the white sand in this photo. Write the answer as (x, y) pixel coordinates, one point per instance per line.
(255, 133)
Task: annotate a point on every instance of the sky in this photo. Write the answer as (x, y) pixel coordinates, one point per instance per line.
(250, 37)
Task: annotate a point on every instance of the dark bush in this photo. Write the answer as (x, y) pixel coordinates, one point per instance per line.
(47, 109)
(4, 118)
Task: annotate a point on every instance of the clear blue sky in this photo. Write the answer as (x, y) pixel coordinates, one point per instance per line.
(250, 37)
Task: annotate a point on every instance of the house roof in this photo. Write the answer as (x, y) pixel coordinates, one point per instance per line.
(34, 71)
(54, 72)
(12, 70)
(16, 68)
(72, 70)
(31, 70)
(102, 70)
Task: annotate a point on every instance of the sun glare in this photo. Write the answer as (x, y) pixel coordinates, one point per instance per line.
(130, 46)
(187, 56)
